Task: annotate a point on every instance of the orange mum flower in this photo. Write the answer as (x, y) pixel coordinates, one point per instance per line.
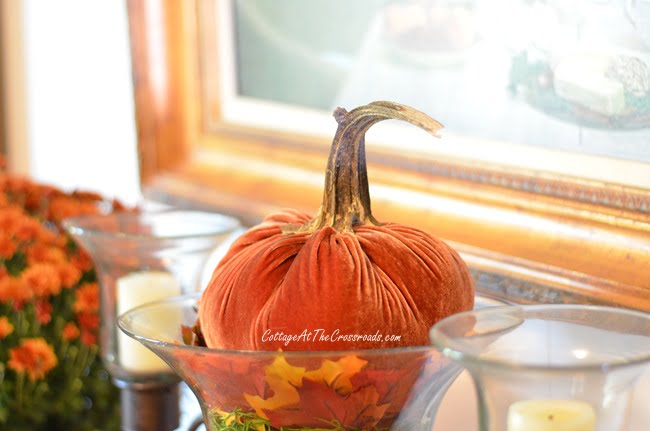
(43, 279)
(48, 236)
(70, 331)
(34, 357)
(82, 261)
(44, 253)
(18, 184)
(43, 311)
(27, 228)
(69, 274)
(14, 289)
(87, 298)
(87, 196)
(88, 321)
(7, 246)
(88, 338)
(6, 327)
(36, 197)
(9, 218)
(65, 206)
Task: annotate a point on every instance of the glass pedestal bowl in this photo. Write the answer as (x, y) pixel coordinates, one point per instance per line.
(380, 389)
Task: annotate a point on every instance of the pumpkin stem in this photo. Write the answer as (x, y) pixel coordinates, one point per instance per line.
(346, 199)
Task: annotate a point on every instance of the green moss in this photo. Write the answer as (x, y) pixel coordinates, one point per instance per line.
(239, 420)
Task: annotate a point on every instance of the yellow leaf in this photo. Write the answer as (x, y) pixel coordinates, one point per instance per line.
(282, 378)
(338, 374)
(281, 368)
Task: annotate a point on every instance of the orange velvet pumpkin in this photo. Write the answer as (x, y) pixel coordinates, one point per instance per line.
(340, 280)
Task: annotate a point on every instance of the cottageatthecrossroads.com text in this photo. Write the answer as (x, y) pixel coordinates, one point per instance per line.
(319, 335)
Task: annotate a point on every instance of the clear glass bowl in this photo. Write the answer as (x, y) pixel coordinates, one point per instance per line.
(549, 367)
(380, 389)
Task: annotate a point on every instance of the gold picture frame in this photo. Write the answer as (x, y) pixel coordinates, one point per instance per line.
(529, 236)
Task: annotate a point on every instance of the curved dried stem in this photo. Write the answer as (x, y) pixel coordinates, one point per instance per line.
(346, 199)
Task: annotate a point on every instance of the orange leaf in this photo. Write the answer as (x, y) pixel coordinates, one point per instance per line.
(320, 404)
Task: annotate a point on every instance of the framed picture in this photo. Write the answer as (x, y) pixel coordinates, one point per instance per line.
(541, 180)
(501, 102)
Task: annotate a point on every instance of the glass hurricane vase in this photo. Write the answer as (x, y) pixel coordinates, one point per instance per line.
(550, 367)
(141, 257)
(380, 389)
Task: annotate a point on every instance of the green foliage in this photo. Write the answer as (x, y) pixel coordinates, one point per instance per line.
(240, 420)
(51, 377)
(76, 395)
(16, 264)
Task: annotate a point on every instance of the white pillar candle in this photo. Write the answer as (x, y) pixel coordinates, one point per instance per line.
(551, 415)
(134, 290)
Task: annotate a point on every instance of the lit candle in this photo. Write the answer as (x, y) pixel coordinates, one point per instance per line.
(551, 415)
(136, 289)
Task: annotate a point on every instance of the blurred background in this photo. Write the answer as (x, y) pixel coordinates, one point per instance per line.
(522, 74)
(569, 75)
(68, 95)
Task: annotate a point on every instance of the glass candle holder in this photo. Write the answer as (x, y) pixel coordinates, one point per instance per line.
(377, 389)
(143, 257)
(549, 367)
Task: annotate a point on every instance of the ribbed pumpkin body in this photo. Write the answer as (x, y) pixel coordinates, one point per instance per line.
(387, 280)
